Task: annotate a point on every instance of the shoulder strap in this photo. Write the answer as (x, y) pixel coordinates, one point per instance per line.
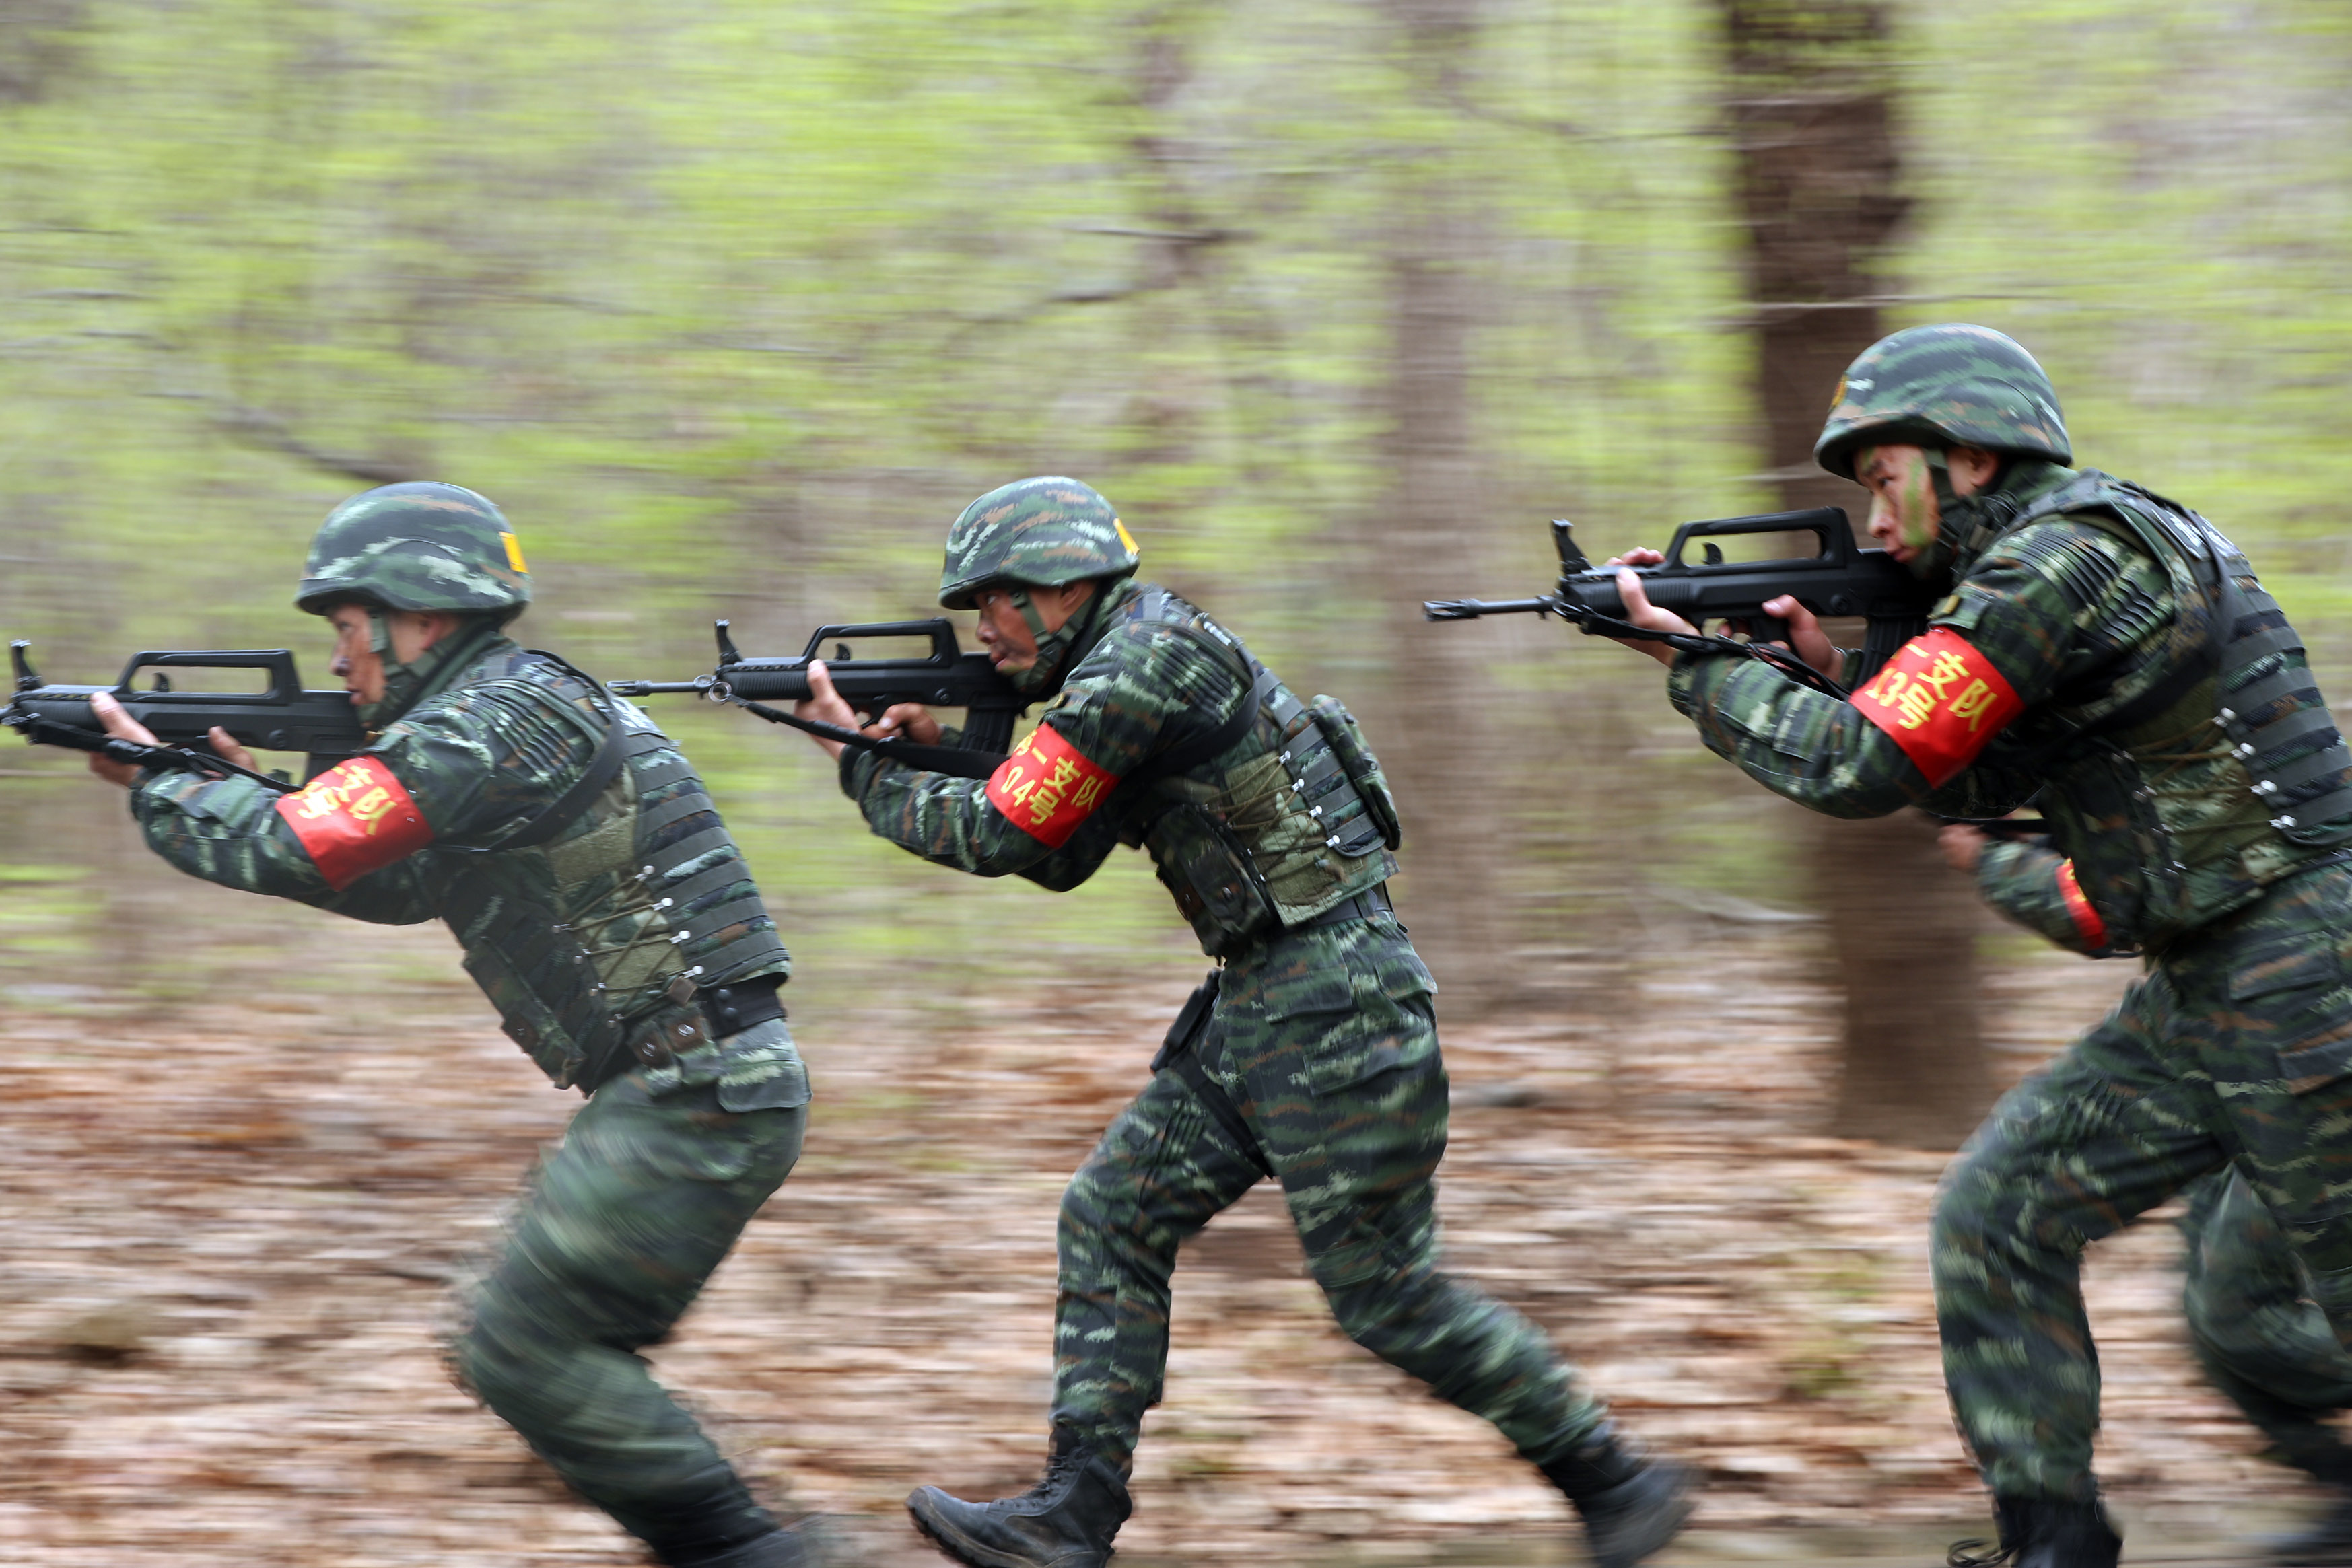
(559, 813)
(2171, 529)
(1258, 688)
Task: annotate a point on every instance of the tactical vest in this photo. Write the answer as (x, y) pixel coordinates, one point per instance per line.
(1277, 815)
(2210, 741)
(592, 926)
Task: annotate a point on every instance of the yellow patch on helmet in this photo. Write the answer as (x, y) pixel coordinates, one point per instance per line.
(1840, 398)
(514, 553)
(1127, 538)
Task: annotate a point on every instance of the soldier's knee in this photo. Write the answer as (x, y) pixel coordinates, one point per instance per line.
(1080, 1222)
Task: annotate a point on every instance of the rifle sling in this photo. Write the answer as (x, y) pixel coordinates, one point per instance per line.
(956, 761)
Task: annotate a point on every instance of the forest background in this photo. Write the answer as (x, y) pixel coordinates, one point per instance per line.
(733, 304)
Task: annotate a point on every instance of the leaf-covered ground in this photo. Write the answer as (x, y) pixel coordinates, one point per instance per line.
(229, 1230)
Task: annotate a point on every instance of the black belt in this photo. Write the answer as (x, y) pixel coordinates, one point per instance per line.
(726, 1010)
(1363, 907)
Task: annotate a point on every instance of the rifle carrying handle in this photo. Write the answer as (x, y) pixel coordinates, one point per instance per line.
(285, 685)
(945, 650)
(1827, 523)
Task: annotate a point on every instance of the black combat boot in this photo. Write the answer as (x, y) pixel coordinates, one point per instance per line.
(1631, 1504)
(1065, 1521)
(2044, 1533)
(801, 1544)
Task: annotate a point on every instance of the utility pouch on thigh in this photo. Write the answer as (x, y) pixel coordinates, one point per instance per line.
(1179, 1054)
(1190, 1021)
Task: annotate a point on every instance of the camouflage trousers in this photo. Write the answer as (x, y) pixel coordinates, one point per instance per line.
(2235, 1049)
(625, 1221)
(1323, 1048)
(2258, 1336)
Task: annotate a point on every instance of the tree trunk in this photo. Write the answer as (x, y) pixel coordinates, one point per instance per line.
(1812, 114)
(1431, 736)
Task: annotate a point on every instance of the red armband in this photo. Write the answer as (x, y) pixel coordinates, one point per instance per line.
(1941, 701)
(2088, 924)
(1047, 786)
(354, 819)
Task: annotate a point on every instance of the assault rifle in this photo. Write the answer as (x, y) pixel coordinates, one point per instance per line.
(281, 718)
(1837, 579)
(945, 677)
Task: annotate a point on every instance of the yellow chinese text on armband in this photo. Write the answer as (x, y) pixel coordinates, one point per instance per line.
(1941, 701)
(353, 819)
(1047, 786)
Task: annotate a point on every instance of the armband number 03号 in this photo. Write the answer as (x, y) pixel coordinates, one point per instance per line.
(1941, 701)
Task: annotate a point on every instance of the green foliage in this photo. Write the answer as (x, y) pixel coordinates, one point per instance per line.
(732, 307)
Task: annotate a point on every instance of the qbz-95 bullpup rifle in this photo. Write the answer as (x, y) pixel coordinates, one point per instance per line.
(945, 677)
(1837, 579)
(281, 717)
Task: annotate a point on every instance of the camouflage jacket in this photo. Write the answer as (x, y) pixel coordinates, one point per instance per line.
(572, 944)
(1139, 688)
(2055, 625)
(2028, 882)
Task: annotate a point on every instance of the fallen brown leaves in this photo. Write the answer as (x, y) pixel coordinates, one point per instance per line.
(229, 1230)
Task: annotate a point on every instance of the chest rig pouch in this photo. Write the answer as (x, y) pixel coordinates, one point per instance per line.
(1335, 776)
(582, 944)
(1272, 840)
(2268, 705)
(2277, 722)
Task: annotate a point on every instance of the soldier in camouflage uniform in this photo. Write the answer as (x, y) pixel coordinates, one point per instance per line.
(2257, 1334)
(609, 916)
(1311, 1056)
(2110, 654)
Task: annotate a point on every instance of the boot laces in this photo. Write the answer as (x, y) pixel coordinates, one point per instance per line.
(1061, 1465)
(1974, 1553)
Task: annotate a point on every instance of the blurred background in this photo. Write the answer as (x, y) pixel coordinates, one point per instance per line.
(731, 306)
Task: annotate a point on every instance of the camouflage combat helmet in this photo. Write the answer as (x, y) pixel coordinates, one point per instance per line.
(1950, 385)
(1037, 533)
(416, 546)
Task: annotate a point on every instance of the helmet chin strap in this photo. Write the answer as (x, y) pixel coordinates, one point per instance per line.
(403, 681)
(1966, 524)
(380, 633)
(1052, 645)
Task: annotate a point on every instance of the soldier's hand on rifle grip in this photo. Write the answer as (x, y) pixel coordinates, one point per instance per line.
(1806, 638)
(912, 720)
(1641, 611)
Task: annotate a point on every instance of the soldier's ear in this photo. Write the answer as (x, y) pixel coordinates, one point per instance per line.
(1972, 465)
(432, 625)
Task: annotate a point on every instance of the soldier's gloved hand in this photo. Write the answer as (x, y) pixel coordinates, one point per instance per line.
(1806, 638)
(1641, 611)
